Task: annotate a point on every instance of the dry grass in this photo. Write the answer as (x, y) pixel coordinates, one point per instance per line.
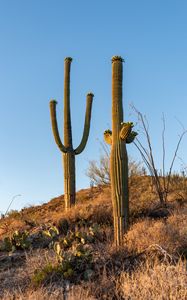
(170, 233)
(92, 204)
(50, 293)
(149, 266)
(157, 282)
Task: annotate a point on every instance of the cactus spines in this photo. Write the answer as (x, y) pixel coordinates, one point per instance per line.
(66, 148)
(118, 158)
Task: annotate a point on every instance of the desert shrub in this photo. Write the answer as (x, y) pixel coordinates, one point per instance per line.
(161, 281)
(13, 214)
(51, 292)
(179, 186)
(63, 226)
(99, 171)
(171, 234)
(161, 179)
(44, 275)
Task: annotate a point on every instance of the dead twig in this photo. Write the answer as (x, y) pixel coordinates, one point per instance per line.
(162, 182)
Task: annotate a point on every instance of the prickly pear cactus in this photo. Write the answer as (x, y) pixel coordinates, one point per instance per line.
(19, 240)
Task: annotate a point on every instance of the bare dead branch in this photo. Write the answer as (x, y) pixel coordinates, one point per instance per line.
(161, 183)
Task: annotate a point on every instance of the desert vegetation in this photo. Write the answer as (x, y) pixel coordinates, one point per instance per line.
(67, 148)
(120, 135)
(49, 253)
(125, 237)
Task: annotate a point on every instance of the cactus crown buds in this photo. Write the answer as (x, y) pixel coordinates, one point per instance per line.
(108, 131)
(69, 59)
(90, 94)
(119, 58)
(53, 101)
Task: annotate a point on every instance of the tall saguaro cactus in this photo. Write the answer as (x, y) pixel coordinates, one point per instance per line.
(67, 148)
(120, 135)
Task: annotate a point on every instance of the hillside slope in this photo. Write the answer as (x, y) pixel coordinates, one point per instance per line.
(46, 253)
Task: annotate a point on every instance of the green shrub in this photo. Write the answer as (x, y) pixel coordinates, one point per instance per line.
(42, 276)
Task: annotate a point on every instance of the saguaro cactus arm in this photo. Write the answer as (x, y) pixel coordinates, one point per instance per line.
(86, 131)
(67, 112)
(52, 106)
(108, 136)
(131, 137)
(126, 133)
(125, 130)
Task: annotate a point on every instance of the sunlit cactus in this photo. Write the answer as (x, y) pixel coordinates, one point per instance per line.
(67, 147)
(120, 135)
(126, 129)
(108, 136)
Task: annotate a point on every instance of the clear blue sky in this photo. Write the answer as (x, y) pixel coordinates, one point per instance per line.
(36, 36)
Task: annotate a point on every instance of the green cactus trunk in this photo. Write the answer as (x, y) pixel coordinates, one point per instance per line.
(69, 179)
(69, 157)
(119, 159)
(67, 148)
(120, 135)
